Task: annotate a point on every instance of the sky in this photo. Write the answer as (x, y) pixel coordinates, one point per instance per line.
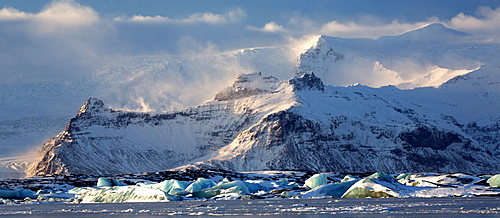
(54, 40)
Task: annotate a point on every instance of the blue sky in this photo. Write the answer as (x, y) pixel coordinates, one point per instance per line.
(56, 37)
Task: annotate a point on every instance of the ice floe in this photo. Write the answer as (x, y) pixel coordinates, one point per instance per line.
(255, 185)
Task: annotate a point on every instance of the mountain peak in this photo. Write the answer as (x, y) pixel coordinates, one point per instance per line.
(428, 33)
(248, 85)
(92, 104)
(307, 81)
(432, 32)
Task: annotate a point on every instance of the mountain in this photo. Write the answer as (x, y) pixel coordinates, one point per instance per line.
(407, 61)
(261, 123)
(428, 33)
(30, 113)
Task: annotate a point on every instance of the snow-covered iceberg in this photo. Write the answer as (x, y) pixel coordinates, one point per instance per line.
(119, 194)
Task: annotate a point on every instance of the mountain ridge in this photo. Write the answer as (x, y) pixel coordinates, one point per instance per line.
(302, 125)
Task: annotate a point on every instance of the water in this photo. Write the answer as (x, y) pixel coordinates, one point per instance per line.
(380, 207)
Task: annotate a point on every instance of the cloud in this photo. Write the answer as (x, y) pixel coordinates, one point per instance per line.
(63, 40)
(9, 14)
(302, 44)
(54, 16)
(354, 30)
(486, 23)
(207, 17)
(270, 27)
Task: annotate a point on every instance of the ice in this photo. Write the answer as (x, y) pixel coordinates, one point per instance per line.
(284, 181)
(225, 180)
(316, 180)
(349, 178)
(237, 187)
(286, 194)
(494, 181)
(335, 190)
(172, 186)
(7, 193)
(118, 194)
(106, 182)
(438, 180)
(403, 176)
(103, 182)
(377, 185)
(199, 184)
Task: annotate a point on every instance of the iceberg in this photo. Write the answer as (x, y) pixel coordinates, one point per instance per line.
(494, 181)
(104, 182)
(237, 187)
(172, 187)
(199, 184)
(377, 185)
(335, 190)
(119, 194)
(7, 193)
(316, 180)
(107, 182)
(403, 176)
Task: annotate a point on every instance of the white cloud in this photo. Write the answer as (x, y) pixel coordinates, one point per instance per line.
(9, 14)
(67, 13)
(53, 17)
(487, 23)
(62, 39)
(270, 27)
(208, 17)
(140, 18)
(354, 30)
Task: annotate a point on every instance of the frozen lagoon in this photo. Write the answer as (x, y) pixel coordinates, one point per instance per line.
(373, 207)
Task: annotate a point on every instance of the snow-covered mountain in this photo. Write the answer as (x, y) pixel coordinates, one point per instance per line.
(426, 57)
(31, 113)
(260, 123)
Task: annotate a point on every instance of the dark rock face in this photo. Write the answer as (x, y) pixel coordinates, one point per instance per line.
(307, 82)
(427, 137)
(297, 143)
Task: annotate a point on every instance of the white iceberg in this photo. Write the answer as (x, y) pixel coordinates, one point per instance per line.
(119, 194)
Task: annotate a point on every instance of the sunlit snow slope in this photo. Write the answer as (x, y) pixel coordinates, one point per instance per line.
(260, 123)
(428, 56)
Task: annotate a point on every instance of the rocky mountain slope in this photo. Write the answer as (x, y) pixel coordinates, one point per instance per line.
(260, 123)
